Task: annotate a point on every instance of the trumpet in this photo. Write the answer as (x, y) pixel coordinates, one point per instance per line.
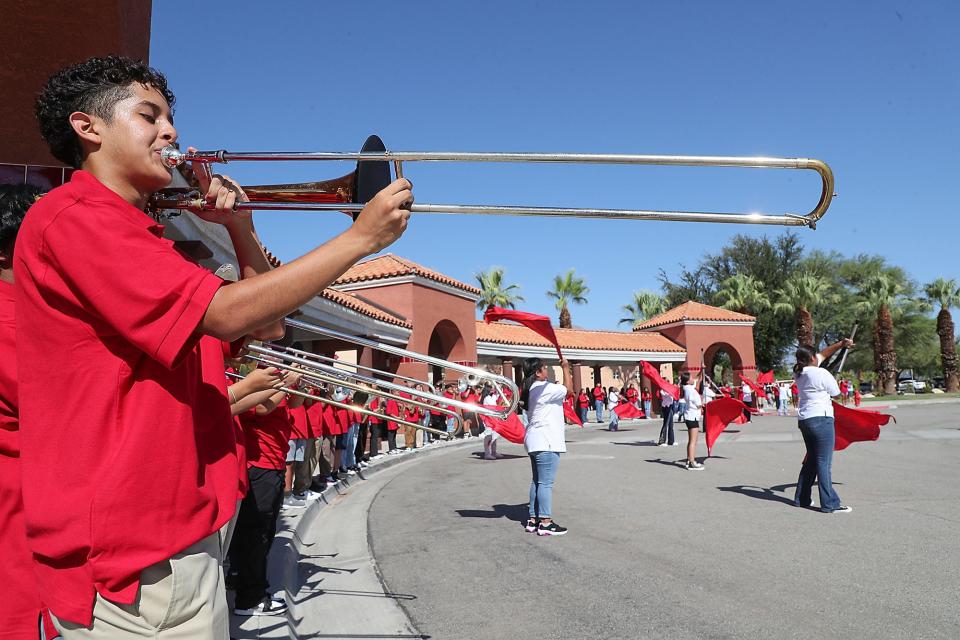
(350, 192)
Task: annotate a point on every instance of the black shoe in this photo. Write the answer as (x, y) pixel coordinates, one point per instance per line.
(530, 526)
(552, 529)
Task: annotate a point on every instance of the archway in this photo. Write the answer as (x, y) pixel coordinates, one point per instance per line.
(446, 341)
(722, 362)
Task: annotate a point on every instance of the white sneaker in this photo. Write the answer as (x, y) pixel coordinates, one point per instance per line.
(307, 495)
(267, 607)
(675, 444)
(292, 502)
(842, 509)
(694, 466)
(351, 472)
(377, 457)
(662, 444)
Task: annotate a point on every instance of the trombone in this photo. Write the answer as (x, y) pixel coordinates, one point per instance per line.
(505, 388)
(351, 407)
(349, 193)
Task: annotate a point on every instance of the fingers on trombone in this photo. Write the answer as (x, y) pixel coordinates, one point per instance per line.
(201, 171)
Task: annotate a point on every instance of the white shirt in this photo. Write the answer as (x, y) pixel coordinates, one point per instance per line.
(709, 395)
(545, 418)
(613, 400)
(747, 394)
(785, 392)
(693, 403)
(815, 387)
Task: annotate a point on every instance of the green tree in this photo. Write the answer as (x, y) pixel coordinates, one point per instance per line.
(770, 261)
(800, 295)
(742, 293)
(645, 305)
(877, 295)
(568, 288)
(946, 293)
(493, 291)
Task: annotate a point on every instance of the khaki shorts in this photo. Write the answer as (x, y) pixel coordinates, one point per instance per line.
(182, 597)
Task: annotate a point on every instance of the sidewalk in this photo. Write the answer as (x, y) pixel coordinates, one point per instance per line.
(321, 558)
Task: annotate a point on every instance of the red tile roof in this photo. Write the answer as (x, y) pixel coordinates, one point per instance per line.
(391, 266)
(504, 333)
(694, 311)
(350, 301)
(354, 303)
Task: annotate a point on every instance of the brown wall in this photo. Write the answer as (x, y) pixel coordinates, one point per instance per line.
(425, 308)
(41, 36)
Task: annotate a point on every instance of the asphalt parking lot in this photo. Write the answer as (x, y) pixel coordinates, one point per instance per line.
(655, 551)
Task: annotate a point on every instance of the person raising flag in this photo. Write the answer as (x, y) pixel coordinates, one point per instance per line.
(815, 388)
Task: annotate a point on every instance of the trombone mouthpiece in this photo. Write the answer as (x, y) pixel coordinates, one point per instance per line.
(172, 157)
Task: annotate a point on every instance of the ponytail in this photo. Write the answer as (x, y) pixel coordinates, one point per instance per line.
(530, 368)
(805, 354)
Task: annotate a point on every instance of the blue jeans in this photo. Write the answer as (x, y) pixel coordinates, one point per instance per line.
(598, 406)
(544, 465)
(348, 458)
(646, 408)
(666, 431)
(583, 415)
(818, 435)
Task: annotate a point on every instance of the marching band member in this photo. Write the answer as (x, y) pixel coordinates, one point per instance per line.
(20, 609)
(692, 413)
(102, 296)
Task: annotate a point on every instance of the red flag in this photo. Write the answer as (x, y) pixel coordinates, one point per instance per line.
(856, 425)
(510, 427)
(717, 415)
(570, 414)
(536, 323)
(765, 377)
(651, 372)
(750, 383)
(627, 411)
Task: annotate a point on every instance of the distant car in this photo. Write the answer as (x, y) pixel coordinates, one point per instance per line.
(939, 383)
(866, 387)
(909, 385)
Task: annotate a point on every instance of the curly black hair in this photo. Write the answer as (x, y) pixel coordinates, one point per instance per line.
(15, 199)
(93, 86)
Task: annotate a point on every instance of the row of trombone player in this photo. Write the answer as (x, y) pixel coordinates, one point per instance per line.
(323, 373)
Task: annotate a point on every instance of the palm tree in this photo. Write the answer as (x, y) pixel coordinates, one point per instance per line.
(877, 295)
(743, 294)
(568, 288)
(801, 293)
(645, 305)
(493, 293)
(946, 293)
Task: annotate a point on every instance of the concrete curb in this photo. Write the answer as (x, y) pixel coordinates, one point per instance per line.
(354, 557)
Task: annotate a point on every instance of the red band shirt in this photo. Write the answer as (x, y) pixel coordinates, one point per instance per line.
(20, 605)
(268, 437)
(118, 394)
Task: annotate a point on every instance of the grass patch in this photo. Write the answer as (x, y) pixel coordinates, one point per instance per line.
(912, 396)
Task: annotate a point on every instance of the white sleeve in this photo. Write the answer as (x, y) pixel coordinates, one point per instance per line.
(830, 384)
(553, 392)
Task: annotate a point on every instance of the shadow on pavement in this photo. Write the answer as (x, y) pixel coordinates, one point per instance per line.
(515, 512)
(478, 455)
(759, 493)
(638, 443)
(670, 463)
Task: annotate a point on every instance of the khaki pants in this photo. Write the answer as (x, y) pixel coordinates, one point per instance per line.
(303, 471)
(410, 437)
(180, 598)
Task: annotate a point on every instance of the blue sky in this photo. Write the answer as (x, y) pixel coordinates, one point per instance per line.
(871, 88)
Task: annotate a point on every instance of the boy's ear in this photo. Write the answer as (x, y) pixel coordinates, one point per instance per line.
(6, 259)
(86, 127)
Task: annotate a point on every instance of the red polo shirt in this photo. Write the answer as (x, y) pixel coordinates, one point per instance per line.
(268, 437)
(301, 425)
(21, 606)
(117, 394)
